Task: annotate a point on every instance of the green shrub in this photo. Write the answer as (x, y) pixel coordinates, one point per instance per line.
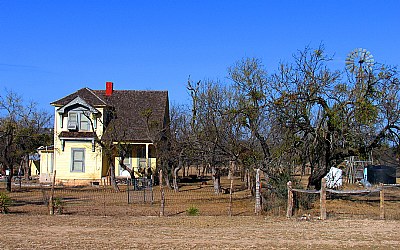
(58, 204)
(5, 202)
(192, 211)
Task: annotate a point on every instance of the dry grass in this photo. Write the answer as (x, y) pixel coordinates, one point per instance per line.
(201, 232)
(103, 201)
(97, 217)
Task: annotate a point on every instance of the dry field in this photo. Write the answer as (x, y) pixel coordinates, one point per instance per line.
(93, 218)
(198, 232)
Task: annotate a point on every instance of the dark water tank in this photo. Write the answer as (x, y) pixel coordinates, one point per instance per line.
(381, 174)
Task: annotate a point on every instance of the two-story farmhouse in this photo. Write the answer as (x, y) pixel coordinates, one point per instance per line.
(86, 118)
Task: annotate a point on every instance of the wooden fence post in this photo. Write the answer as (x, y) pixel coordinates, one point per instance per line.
(289, 211)
(258, 196)
(382, 202)
(323, 199)
(51, 200)
(230, 197)
(162, 208)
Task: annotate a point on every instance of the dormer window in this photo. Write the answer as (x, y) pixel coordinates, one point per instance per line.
(84, 123)
(78, 121)
(81, 115)
(72, 121)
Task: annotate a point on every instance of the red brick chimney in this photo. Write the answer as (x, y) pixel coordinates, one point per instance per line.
(109, 88)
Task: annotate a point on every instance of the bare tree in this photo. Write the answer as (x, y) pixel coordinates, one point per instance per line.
(22, 131)
(218, 137)
(332, 116)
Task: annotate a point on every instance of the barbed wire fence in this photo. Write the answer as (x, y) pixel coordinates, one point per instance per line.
(375, 197)
(135, 198)
(139, 198)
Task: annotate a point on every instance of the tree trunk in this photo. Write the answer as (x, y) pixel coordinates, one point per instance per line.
(248, 179)
(216, 180)
(28, 172)
(9, 177)
(25, 166)
(175, 172)
(242, 173)
(113, 180)
(175, 180)
(124, 167)
(167, 181)
(318, 173)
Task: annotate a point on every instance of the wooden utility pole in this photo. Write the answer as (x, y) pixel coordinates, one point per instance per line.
(323, 199)
(289, 211)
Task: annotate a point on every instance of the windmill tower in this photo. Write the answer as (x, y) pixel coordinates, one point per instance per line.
(359, 62)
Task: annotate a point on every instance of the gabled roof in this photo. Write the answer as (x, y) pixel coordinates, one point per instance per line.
(77, 101)
(85, 94)
(128, 122)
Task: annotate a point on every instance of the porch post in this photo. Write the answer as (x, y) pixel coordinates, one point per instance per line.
(147, 158)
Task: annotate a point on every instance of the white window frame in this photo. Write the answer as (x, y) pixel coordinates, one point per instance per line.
(78, 123)
(73, 150)
(71, 123)
(82, 114)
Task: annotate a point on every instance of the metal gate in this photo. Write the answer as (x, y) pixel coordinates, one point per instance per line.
(140, 190)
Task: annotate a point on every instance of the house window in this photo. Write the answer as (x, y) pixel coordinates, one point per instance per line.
(72, 121)
(84, 124)
(78, 160)
(78, 120)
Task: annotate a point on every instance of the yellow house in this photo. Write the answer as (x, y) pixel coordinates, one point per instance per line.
(88, 124)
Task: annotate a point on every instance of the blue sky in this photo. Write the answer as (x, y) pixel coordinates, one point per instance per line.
(49, 49)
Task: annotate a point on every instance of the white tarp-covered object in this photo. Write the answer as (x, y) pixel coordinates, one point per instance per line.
(334, 178)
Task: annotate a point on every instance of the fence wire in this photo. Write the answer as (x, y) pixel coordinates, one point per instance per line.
(105, 201)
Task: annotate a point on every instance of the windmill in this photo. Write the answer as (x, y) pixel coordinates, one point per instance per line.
(359, 61)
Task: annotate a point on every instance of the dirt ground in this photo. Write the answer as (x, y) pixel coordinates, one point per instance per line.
(197, 232)
(103, 220)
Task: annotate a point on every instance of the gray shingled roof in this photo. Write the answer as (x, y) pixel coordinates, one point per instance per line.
(129, 105)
